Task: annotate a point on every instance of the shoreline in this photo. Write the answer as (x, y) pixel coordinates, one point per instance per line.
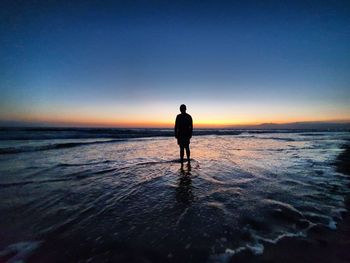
(322, 245)
(107, 237)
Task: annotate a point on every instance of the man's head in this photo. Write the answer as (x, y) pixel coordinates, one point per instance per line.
(183, 108)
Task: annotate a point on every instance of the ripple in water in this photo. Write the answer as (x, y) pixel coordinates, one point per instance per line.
(131, 201)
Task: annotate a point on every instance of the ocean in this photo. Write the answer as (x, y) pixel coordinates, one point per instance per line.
(121, 195)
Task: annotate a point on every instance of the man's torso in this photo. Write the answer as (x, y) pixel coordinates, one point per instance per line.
(184, 125)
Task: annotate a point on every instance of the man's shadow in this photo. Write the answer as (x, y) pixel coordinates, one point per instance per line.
(184, 193)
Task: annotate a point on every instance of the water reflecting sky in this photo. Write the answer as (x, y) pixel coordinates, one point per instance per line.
(132, 198)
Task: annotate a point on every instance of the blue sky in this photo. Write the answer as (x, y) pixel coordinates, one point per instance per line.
(135, 62)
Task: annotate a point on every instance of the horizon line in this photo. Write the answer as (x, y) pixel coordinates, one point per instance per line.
(48, 124)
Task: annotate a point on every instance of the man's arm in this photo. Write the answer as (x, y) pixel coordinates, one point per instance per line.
(191, 127)
(176, 127)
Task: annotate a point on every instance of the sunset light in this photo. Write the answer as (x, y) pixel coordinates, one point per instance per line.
(175, 131)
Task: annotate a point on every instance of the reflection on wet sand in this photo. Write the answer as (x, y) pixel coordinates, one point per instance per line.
(131, 201)
(184, 193)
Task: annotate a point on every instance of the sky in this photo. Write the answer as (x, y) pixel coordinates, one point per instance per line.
(132, 63)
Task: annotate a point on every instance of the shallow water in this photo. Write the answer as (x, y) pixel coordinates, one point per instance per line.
(130, 200)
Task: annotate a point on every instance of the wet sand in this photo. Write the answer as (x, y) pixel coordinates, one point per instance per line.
(129, 201)
(321, 245)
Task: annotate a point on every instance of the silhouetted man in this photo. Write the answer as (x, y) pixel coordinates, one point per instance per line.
(183, 132)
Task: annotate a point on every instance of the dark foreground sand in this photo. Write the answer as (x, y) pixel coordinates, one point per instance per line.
(321, 245)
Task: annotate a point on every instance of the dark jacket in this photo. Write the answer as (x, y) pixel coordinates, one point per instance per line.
(183, 126)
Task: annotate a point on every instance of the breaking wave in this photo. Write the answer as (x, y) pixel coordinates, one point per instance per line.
(50, 146)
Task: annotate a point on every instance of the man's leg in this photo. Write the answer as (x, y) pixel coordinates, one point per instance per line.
(188, 152)
(182, 152)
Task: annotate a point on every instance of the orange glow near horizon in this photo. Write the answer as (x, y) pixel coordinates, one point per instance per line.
(162, 115)
(147, 123)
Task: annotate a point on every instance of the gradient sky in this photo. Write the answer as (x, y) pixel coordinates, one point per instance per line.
(132, 63)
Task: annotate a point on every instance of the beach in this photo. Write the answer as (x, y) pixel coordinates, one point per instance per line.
(122, 196)
(321, 244)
